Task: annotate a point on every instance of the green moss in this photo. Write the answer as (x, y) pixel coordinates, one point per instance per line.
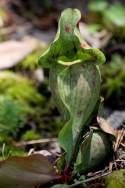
(30, 135)
(30, 62)
(21, 89)
(113, 77)
(97, 6)
(21, 102)
(12, 115)
(111, 16)
(116, 179)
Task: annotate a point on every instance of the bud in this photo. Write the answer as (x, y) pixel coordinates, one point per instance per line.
(94, 152)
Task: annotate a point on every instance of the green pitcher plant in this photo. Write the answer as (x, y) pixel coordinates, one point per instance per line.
(74, 79)
(75, 83)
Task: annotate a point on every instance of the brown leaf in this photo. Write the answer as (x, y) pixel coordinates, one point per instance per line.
(25, 172)
(106, 127)
(12, 52)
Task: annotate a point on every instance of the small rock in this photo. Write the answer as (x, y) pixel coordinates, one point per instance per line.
(116, 119)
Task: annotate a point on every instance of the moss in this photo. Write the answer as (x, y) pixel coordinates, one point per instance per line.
(12, 115)
(19, 93)
(30, 135)
(20, 88)
(30, 62)
(113, 76)
(116, 179)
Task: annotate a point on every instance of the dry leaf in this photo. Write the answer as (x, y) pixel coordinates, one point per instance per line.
(25, 172)
(12, 52)
(106, 127)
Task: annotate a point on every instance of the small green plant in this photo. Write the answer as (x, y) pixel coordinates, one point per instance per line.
(75, 82)
(12, 116)
(30, 135)
(110, 16)
(113, 77)
(20, 88)
(7, 150)
(21, 99)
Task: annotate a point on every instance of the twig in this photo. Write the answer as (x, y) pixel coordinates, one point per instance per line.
(120, 160)
(32, 142)
(123, 145)
(89, 179)
(110, 166)
(120, 136)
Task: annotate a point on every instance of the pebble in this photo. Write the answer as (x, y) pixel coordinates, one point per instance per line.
(117, 119)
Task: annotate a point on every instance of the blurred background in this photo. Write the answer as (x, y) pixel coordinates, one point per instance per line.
(28, 118)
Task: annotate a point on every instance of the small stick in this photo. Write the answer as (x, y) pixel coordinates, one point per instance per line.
(110, 166)
(120, 136)
(89, 180)
(40, 141)
(120, 160)
(123, 145)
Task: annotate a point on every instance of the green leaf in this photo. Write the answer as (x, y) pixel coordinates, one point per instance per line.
(25, 172)
(116, 179)
(115, 14)
(79, 93)
(95, 150)
(98, 6)
(63, 43)
(69, 44)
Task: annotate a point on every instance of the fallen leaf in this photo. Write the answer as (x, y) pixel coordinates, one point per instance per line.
(106, 127)
(12, 52)
(25, 172)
